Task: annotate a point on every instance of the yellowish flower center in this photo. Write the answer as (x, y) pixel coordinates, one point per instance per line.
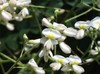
(82, 26)
(60, 60)
(51, 36)
(3, 6)
(75, 62)
(98, 23)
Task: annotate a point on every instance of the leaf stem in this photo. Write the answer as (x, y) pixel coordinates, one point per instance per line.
(70, 19)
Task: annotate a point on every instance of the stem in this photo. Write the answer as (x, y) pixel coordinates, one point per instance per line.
(91, 45)
(3, 70)
(67, 72)
(52, 72)
(44, 7)
(80, 51)
(55, 50)
(7, 57)
(93, 2)
(70, 19)
(94, 8)
(18, 61)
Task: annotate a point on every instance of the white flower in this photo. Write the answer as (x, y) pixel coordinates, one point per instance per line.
(73, 59)
(96, 51)
(24, 12)
(12, 2)
(4, 5)
(45, 53)
(10, 26)
(98, 42)
(22, 3)
(77, 69)
(66, 68)
(89, 60)
(59, 27)
(50, 38)
(51, 33)
(48, 43)
(65, 48)
(80, 34)
(73, 65)
(59, 61)
(71, 32)
(35, 41)
(93, 52)
(38, 70)
(6, 15)
(82, 24)
(95, 23)
(55, 66)
(62, 38)
(46, 23)
(18, 18)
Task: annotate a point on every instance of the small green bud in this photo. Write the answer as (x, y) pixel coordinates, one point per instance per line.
(25, 37)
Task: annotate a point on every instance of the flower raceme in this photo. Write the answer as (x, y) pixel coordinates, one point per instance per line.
(8, 11)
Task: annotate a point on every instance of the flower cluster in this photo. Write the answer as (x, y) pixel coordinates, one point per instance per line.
(55, 34)
(68, 64)
(8, 12)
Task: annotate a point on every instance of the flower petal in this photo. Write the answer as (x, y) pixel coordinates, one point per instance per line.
(78, 69)
(55, 66)
(71, 32)
(65, 48)
(80, 34)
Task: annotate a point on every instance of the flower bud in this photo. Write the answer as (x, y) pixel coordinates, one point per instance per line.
(6, 15)
(80, 34)
(65, 48)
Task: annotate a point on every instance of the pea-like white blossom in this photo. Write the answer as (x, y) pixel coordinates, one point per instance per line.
(23, 2)
(73, 59)
(95, 23)
(73, 65)
(98, 42)
(46, 23)
(89, 60)
(31, 43)
(59, 27)
(50, 38)
(24, 12)
(51, 33)
(45, 53)
(59, 62)
(82, 24)
(62, 38)
(6, 15)
(65, 48)
(78, 69)
(10, 26)
(38, 70)
(80, 34)
(71, 32)
(55, 66)
(96, 51)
